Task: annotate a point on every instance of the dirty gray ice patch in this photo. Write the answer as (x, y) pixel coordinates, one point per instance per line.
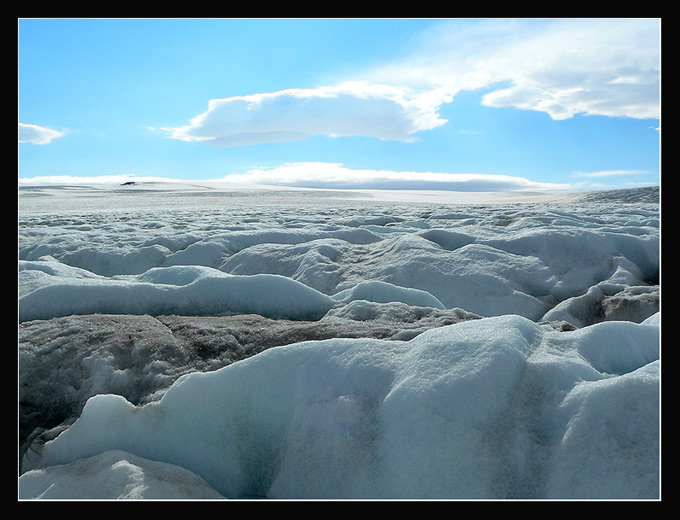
(65, 361)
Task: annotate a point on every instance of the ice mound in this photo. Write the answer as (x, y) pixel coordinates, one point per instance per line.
(49, 289)
(313, 263)
(498, 407)
(115, 475)
(185, 290)
(383, 292)
(489, 260)
(64, 361)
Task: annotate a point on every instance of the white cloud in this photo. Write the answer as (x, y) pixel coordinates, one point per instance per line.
(328, 176)
(349, 109)
(608, 67)
(37, 134)
(334, 175)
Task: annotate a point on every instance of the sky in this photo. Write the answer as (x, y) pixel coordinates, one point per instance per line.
(394, 103)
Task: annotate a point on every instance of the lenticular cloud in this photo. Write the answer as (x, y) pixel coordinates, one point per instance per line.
(349, 109)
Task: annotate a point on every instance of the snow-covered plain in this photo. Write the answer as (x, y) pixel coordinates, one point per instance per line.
(198, 341)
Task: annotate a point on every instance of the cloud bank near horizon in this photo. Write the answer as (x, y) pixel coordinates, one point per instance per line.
(337, 176)
(324, 175)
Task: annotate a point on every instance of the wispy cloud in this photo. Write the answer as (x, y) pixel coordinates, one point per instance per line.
(608, 67)
(611, 173)
(349, 109)
(37, 134)
(334, 175)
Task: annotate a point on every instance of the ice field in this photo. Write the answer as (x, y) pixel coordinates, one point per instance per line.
(202, 341)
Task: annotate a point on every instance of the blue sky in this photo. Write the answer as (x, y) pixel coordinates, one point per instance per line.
(466, 104)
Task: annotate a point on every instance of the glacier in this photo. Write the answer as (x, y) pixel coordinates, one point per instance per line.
(208, 342)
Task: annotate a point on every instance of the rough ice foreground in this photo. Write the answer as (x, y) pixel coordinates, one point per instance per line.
(497, 408)
(493, 350)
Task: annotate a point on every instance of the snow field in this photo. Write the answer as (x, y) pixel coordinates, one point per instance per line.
(380, 350)
(504, 262)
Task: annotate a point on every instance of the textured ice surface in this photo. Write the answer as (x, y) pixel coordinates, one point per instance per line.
(64, 361)
(291, 343)
(493, 408)
(486, 259)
